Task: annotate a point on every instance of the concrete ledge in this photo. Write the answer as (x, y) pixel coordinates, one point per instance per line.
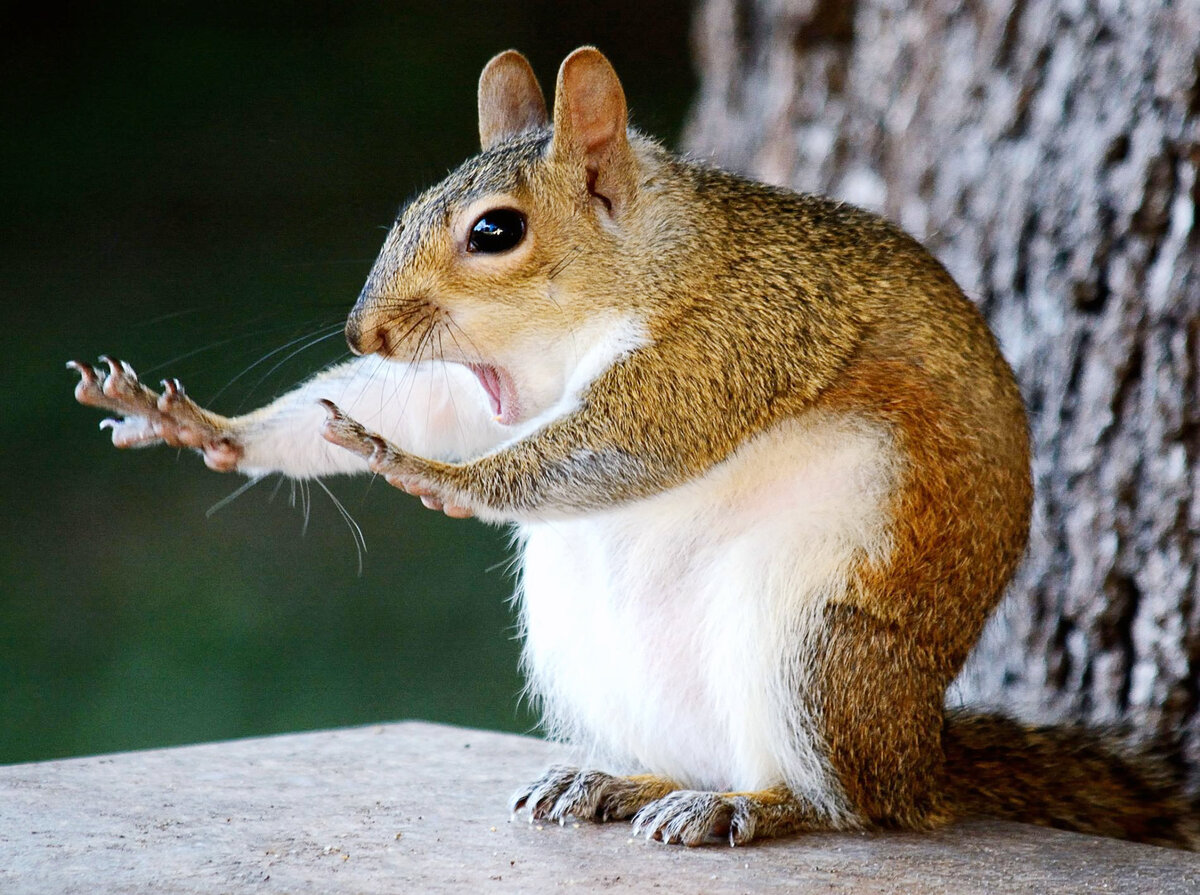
(418, 808)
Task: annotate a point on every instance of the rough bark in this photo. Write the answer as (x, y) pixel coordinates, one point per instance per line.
(1047, 153)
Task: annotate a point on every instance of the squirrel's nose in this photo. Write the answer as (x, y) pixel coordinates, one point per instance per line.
(362, 340)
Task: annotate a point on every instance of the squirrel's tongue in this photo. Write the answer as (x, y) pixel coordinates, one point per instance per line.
(499, 390)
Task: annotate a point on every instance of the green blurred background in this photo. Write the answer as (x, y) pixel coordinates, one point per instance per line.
(189, 190)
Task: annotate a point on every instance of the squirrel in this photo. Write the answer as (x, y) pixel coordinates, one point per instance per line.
(769, 471)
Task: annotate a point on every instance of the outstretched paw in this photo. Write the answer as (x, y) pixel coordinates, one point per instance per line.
(588, 795)
(147, 417)
(400, 469)
(694, 818)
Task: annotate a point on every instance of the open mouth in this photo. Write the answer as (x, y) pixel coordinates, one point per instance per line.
(498, 386)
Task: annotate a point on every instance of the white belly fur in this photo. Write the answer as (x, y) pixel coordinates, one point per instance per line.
(669, 635)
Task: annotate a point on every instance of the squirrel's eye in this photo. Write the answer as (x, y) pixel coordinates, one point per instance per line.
(497, 230)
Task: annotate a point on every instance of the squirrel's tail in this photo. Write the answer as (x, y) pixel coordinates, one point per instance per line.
(1073, 778)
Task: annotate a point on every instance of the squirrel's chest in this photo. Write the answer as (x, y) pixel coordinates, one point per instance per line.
(664, 635)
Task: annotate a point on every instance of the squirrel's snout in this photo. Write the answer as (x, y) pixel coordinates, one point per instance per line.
(362, 340)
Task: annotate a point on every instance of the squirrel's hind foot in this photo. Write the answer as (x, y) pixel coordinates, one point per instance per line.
(691, 818)
(588, 795)
(660, 809)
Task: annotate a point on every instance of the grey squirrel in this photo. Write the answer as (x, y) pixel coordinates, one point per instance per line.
(769, 471)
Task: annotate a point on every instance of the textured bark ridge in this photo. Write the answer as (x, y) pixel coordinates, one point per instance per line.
(1047, 153)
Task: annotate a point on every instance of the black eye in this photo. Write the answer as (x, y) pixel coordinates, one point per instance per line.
(497, 230)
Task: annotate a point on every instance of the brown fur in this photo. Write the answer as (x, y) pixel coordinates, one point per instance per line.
(894, 646)
(777, 304)
(1069, 777)
(759, 305)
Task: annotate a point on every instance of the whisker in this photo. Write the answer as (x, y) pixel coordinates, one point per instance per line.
(450, 391)
(230, 498)
(356, 532)
(420, 321)
(564, 262)
(170, 315)
(414, 363)
(221, 343)
(331, 330)
(329, 263)
(428, 399)
(379, 362)
(470, 341)
(292, 354)
(462, 433)
(457, 345)
(508, 564)
(422, 343)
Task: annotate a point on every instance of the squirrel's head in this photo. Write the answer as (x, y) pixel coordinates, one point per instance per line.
(518, 264)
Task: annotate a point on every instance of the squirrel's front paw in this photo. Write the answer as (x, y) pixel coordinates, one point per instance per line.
(400, 470)
(148, 417)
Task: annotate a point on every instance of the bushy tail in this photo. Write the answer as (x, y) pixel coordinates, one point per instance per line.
(1073, 778)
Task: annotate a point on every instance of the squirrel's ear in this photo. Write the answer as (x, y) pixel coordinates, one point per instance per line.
(590, 122)
(510, 100)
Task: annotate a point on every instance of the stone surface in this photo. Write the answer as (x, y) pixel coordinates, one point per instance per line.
(415, 807)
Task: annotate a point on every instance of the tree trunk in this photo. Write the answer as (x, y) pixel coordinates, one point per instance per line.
(1047, 153)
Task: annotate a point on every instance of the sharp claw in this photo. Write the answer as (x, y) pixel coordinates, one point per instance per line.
(347, 433)
(109, 423)
(87, 373)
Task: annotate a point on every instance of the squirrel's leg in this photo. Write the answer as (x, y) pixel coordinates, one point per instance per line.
(589, 795)
(878, 708)
(554, 468)
(436, 409)
(610, 448)
(879, 704)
